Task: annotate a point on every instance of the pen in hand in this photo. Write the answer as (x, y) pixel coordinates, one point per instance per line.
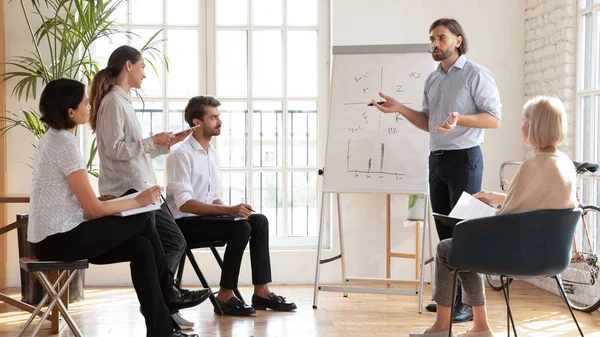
(380, 103)
(148, 185)
(158, 202)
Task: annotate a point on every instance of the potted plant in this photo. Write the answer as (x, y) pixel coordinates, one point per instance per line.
(416, 207)
(62, 49)
(67, 31)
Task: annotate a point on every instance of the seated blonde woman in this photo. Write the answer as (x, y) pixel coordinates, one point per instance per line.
(545, 181)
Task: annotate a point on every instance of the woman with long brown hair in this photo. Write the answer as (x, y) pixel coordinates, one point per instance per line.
(125, 156)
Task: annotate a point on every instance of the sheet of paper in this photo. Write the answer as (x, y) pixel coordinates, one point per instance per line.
(469, 207)
(149, 208)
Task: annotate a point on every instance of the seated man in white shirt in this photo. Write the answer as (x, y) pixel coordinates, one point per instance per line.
(193, 195)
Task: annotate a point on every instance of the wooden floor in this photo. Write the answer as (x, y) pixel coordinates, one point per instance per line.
(114, 312)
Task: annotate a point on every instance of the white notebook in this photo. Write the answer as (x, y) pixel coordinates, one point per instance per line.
(149, 208)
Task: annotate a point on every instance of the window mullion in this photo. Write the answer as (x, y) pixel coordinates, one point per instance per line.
(207, 36)
(211, 48)
(592, 195)
(202, 45)
(594, 136)
(165, 114)
(286, 222)
(595, 73)
(250, 109)
(595, 53)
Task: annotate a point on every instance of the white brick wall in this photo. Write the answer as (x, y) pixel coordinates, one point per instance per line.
(550, 64)
(550, 55)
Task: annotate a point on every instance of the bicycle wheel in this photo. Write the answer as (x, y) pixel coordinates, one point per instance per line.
(581, 278)
(494, 281)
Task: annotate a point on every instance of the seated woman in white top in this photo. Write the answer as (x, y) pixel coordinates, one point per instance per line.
(545, 181)
(67, 222)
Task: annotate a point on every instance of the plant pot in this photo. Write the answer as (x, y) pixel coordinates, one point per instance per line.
(417, 212)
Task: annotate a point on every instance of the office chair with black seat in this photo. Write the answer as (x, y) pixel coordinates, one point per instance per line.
(516, 246)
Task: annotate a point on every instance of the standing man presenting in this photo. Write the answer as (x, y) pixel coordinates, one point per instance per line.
(460, 99)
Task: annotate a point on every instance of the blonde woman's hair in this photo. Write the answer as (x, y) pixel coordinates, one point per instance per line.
(547, 120)
(105, 78)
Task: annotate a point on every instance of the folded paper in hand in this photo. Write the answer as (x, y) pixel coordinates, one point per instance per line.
(466, 208)
(469, 207)
(149, 208)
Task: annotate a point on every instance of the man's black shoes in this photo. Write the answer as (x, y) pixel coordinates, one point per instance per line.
(179, 333)
(462, 312)
(274, 302)
(188, 298)
(235, 307)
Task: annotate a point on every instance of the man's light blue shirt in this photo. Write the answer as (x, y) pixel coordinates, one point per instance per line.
(466, 88)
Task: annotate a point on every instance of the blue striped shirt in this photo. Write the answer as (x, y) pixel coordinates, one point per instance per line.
(466, 88)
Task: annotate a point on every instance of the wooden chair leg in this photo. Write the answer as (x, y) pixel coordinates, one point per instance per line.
(55, 321)
(57, 295)
(55, 292)
(55, 317)
(65, 296)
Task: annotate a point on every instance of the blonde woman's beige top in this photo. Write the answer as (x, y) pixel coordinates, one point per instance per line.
(545, 181)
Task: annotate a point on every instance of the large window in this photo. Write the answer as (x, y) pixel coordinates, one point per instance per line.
(267, 62)
(588, 94)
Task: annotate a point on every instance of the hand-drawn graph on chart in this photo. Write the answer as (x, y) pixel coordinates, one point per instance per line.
(360, 160)
(368, 150)
(368, 89)
(368, 154)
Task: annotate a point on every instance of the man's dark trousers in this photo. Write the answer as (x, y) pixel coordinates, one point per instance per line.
(450, 173)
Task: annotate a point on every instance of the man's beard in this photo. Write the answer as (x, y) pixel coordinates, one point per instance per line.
(444, 55)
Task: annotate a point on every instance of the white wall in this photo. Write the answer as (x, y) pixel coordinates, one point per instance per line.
(551, 55)
(496, 33)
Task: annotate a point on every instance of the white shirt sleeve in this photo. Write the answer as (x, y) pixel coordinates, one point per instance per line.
(215, 179)
(179, 175)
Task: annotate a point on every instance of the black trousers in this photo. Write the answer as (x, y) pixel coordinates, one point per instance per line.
(451, 173)
(172, 239)
(237, 234)
(122, 239)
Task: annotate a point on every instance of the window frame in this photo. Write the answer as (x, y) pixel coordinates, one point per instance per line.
(207, 29)
(284, 240)
(589, 186)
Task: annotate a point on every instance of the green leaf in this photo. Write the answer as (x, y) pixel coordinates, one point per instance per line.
(65, 30)
(412, 200)
(93, 151)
